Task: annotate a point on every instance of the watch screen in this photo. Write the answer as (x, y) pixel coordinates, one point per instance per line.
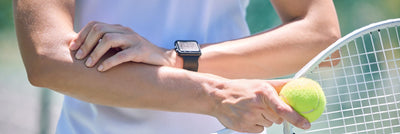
(188, 46)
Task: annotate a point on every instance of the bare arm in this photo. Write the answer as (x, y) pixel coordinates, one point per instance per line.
(45, 28)
(309, 26)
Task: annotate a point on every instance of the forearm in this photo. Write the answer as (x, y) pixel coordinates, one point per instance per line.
(278, 52)
(44, 30)
(308, 28)
(136, 86)
(128, 85)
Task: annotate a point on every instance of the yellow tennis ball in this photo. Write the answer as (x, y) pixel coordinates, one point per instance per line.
(305, 96)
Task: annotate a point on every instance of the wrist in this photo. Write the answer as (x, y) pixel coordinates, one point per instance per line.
(214, 97)
(174, 60)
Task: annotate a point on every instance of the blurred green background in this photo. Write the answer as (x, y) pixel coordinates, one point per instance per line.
(27, 109)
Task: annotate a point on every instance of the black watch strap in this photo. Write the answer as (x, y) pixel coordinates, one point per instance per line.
(190, 52)
(190, 63)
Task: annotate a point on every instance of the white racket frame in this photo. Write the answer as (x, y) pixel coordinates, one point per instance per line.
(287, 128)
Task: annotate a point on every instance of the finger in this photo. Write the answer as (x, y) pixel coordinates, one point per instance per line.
(269, 113)
(108, 41)
(278, 84)
(118, 58)
(265, 121)
(272, 116)
(77, 42)
(282, 109)
(288, 113)
(72, 45)
(95, 34)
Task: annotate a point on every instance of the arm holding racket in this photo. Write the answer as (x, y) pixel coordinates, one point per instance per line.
(308, 27)
(45, 33)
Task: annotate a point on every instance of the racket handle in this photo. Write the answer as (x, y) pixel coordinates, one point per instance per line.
(287, 128)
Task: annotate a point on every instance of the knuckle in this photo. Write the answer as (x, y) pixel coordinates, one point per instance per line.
(107, 37)
(106, 63)
(127, 29)
(137, 59)
(299, 122)
(281, 110)
(122, 55)
(135, 35)
(258, 91)
(97, 27)
(92, 23)
(95, 56)
(86, 48)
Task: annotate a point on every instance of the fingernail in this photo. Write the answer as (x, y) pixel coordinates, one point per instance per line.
(79, 54)
(100, 68)
(306, 125)
(73, 46)
(89, 62)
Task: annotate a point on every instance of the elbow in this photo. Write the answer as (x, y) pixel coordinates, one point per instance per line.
(47, 70)
(44, 68)
(44, 62)
(325, 36)
(36, 79)
(331, 36)
(38, 73)
(323, 32)
(334, 35)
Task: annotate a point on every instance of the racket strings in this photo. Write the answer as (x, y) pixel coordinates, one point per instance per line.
(363, 89)
(391, 82)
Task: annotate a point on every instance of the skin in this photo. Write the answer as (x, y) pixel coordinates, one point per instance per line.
(309, 26)
(45, 33)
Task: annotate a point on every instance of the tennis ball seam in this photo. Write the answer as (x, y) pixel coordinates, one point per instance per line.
(313, 107)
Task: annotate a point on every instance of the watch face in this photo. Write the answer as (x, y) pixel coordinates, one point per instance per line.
(188, 46)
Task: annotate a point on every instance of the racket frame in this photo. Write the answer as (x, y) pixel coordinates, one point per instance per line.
(287, 128)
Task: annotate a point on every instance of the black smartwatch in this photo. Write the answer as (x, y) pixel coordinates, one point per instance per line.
(189, 50)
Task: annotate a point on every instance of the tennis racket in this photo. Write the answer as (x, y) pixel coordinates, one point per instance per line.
(360, 75)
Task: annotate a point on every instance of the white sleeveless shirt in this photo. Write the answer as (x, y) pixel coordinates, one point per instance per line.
(161, 22)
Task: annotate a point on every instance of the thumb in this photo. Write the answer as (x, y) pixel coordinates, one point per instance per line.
(284, 110)
(278, 84)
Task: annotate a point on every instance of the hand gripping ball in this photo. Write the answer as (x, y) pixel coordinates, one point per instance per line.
(305, 96)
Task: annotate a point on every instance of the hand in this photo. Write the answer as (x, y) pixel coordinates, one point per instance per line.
(251, 105)
(97, 38)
